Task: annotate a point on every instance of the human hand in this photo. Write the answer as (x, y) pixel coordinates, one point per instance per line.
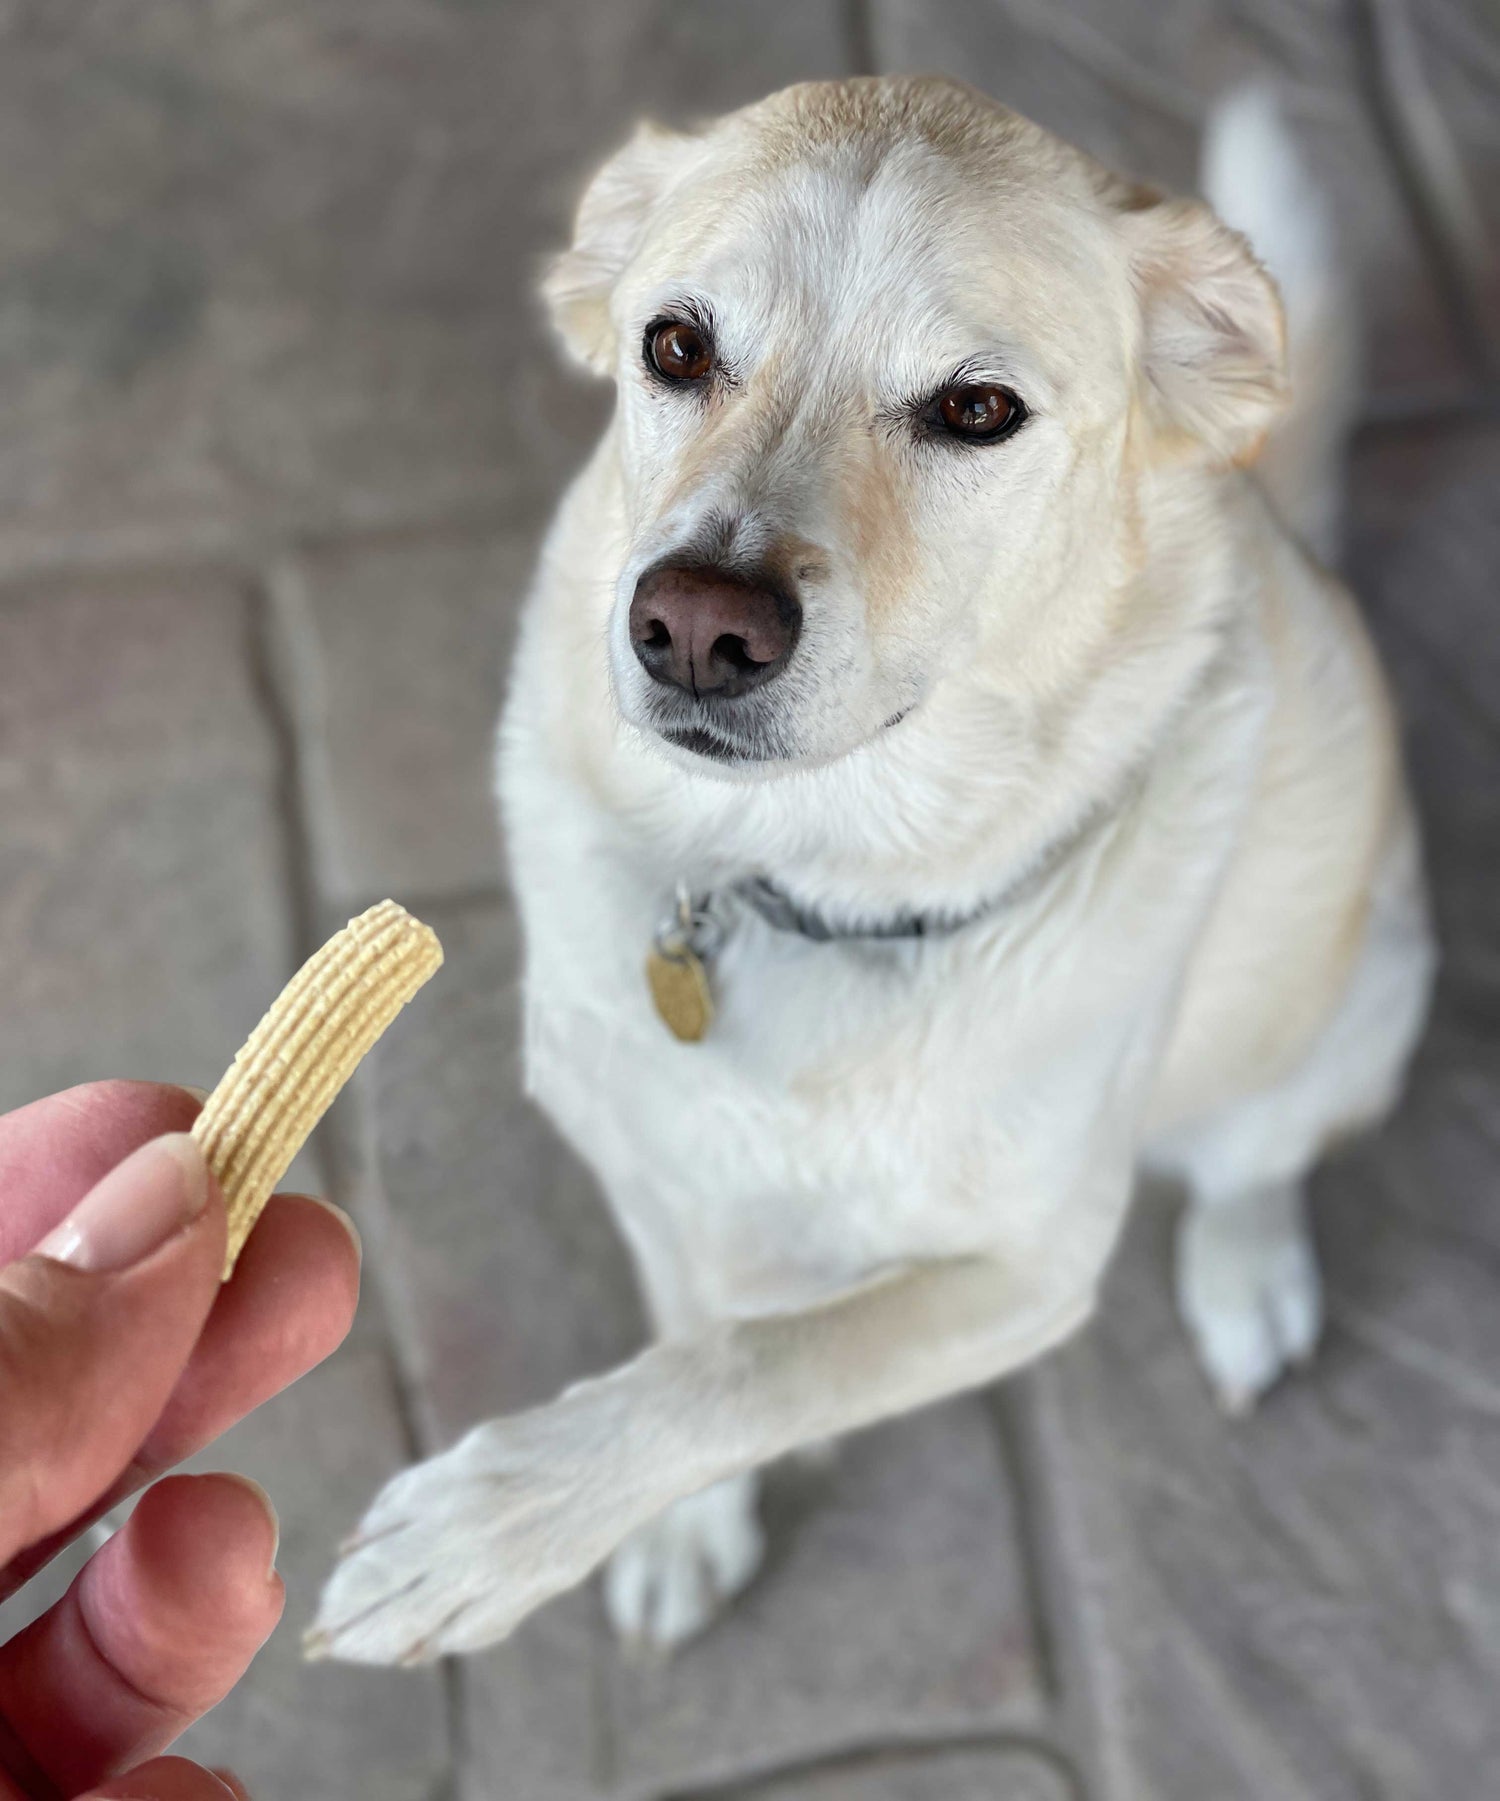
(121, 1354)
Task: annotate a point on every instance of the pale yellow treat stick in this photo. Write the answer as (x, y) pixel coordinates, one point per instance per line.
(303, 1052)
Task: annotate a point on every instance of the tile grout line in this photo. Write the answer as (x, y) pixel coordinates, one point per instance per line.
(914, 1749)
(1025, 1413)
(286, 661)
(1428, 172)
(242, 554)
(270, 690)
(1473, 406)
(476, 896)
(1003, 1404)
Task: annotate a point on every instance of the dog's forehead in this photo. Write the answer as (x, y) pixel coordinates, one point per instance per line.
(888, 246)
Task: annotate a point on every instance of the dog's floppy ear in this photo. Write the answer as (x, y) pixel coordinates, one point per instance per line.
(611, 217)
(1213, 342)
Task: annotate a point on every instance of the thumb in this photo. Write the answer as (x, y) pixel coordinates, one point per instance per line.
(169, 1779)
(95, 1327)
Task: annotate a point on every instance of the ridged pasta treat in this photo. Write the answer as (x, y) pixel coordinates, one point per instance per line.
(294, 1063)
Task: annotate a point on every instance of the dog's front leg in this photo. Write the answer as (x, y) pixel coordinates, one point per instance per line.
(456, 1551)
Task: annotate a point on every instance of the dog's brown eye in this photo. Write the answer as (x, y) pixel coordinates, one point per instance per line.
(678, 351)
(976, 410)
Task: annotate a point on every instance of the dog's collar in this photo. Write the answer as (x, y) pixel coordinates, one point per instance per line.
(691, 935)
(693, 932)
(777, 908)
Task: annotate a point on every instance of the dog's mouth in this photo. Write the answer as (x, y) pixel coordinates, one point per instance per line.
(704, 743)
(720, 747)
(723, 731)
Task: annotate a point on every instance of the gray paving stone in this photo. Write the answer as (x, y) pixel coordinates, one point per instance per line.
(1425, 539)
(142, 931)
(141, 924)
(520, 1281)
(896, 1605)
(896, 1601)
(1426, 542)
(999, 1773)
(517, 1286)
(412, 642)
(1303, 1605)
(270, 265)
(1132, 83)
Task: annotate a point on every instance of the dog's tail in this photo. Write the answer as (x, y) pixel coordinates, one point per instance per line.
(1254, 177)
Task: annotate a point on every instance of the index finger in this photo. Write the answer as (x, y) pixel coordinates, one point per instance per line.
(90, 1350)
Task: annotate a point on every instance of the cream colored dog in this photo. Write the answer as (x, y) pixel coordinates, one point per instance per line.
(915, 666)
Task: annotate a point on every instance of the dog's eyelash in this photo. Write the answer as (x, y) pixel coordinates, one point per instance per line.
(701, 317)
(916, 399)
(697, 313)
(912, 411)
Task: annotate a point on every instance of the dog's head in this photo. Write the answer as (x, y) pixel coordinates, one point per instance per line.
(892, 363)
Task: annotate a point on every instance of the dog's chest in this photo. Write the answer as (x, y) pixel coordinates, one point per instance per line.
(851, 1106)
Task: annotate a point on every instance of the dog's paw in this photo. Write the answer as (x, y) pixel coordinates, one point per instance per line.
(672, 1577)
(456, 1551)
(1249, 1292)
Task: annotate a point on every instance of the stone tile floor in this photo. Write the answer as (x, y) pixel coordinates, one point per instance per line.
(281, 429)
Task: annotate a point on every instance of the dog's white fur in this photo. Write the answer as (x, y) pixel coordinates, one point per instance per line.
(1136, 711)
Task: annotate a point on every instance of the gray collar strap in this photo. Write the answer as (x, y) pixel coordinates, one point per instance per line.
(778, 909)
(696, 922)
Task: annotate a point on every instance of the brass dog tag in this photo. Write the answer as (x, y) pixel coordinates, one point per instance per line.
(679, 987)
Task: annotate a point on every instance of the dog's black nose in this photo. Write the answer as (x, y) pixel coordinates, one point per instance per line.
(710, 632)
